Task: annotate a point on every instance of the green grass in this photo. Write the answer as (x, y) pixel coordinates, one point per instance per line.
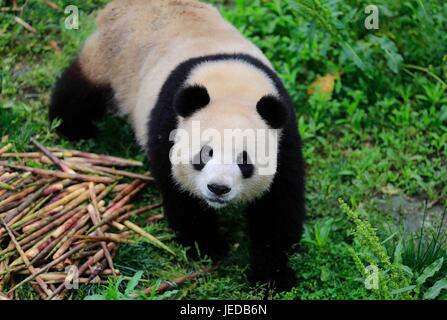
(382, 131)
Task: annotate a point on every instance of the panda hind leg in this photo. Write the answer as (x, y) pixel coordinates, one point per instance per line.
(78, 103)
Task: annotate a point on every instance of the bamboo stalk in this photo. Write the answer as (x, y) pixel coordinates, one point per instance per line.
(55, 276)
(5, 270)
(82, 198)
(79, 280)
(28, 200)
(146, 235)
(3, 297)
(120, 187)
(39, 223)
(27, 155)
(44, 228)
(113, 211)
(59, 174)
(104, 238)
(47, 267)
(25, 24)
(19, 195)
(89, 169)
(61, 202)
(94, 201)
(172, 284)
(94, 219)
(56, 187)
(5, 148)
(41, 283)
(52, 157)
(101, 162)
(92, 260)
(102, 170)
(4, 210)
(49, 214)
(68, 241)
(4, 185)
(117, 225)
(154, 218)
(126, 190)
(109, 218)
(103, 157)
(138, 211)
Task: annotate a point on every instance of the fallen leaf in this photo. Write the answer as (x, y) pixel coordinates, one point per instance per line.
(325, 84)
(53, 44)
(390, 190)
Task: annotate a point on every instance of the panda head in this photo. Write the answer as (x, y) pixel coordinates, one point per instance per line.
(226, 142)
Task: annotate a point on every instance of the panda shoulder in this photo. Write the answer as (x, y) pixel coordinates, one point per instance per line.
(112, 11)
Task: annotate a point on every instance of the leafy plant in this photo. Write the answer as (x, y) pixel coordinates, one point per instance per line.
(396, 279)
(113, 290)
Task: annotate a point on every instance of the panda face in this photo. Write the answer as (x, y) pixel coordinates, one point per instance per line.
(228, 129)
(224, 157)
(221, 178)
(219, 182)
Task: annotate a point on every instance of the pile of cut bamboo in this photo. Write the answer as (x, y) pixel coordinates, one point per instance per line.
(66, 218)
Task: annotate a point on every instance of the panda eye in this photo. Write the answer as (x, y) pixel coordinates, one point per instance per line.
(247, 168)
(200, 159)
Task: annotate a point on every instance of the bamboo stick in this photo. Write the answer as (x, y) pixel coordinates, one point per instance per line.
(104, 238)
(29, 199)
(101, 170)
(50, 214)
(93, 217)
(138, 211)
(5, 148)
(168, 285)
(47, 267)
(59, 174)
(146, 235)
(92, 260)
(52, 157)
(4, 185)
(106, 158)
(41, 283)
(154, 218)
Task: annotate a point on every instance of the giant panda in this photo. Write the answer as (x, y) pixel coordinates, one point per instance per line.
(173, 65)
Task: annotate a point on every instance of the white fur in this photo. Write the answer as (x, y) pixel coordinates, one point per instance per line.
(234, 87)
(139, 43)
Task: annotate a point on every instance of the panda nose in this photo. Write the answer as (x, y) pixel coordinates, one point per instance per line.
(218, 189)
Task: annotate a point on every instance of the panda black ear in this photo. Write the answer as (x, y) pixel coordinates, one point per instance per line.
(273, 111)
(190, 99)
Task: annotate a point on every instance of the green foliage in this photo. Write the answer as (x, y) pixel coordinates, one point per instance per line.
(391, 277)
(396, 280)
(113, 290)
(381, 130)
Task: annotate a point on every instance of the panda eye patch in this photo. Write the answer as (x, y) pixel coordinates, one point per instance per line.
(199, 161)
(245, 165)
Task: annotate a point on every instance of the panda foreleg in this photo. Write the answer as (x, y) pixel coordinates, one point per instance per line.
(194, 223)
(275, 225)
(78, 103)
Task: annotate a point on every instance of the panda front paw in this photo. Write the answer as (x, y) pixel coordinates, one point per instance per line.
(215, 249)
(281, 280)
(76, 132)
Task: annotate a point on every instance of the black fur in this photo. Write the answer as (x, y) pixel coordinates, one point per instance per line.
(191, 99)
(275, 220)
(245, 165)
(78, 103)
(273, 111)
(201, 159)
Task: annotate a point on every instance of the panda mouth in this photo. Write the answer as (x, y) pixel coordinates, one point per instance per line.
(216, 200)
